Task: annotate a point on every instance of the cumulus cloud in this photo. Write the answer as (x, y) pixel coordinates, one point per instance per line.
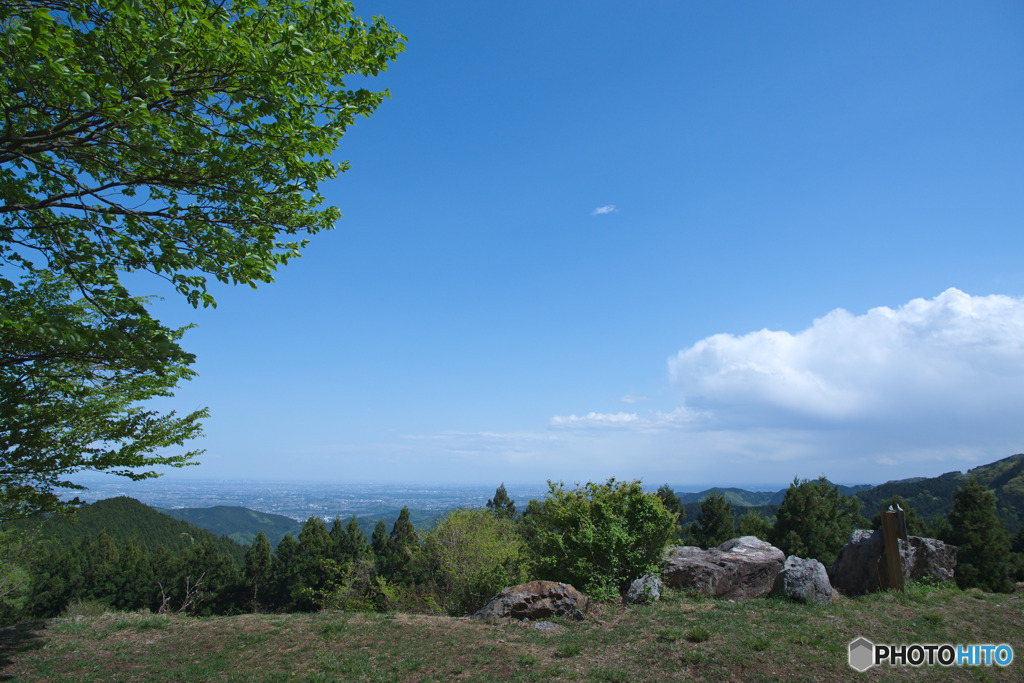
(954, 355)
(601, 210)
(918, 390)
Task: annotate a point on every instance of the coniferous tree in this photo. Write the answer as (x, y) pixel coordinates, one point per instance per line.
(350, 544)
(915, 525)
(355, 540)
(286, 572)
(134, 581)
(673, 504)
(815, 520)
(714, 524)
(983, 546)
(752, 523)
(403, 542)
(379, 539)
(501, 504)
(315, 548)
(258, 569)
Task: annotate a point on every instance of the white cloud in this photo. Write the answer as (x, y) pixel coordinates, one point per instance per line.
(630, 398)
(595, 420)
(954, 357)
(601, 210)
(929, 387)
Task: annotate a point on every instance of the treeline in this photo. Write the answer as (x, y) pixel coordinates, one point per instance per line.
(598, 537)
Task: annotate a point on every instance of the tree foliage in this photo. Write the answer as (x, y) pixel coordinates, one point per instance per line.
(983, 545)
(915, 525)
(472, 555)
(598, 537)
(73, 381)
(815, 520)
(714, 524)
(186, 139)
(501, 504)
(673, 504)
(753, 523)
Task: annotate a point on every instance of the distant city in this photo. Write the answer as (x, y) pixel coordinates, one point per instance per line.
(299, 500)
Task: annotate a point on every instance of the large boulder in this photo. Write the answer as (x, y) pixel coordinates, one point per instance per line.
(534, 600)
(861, 565)
(643, 590)
(805, 580)
(741, 568)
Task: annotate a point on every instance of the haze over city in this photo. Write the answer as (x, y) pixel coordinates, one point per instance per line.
(726, 244)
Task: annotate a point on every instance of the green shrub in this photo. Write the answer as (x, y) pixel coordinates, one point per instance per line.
(598, 537)
(471, 555)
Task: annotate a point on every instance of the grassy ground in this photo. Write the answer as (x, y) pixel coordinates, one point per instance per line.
(679, 638)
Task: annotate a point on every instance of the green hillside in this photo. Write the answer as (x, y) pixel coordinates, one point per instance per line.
(744, 498)
(240, 524)
(933, 497)
(125, 518)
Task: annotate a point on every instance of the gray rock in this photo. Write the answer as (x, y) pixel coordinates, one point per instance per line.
(805, 580)
(643, 590)
(741, 568)
(861, 566)
(546, 626)
(534, 600)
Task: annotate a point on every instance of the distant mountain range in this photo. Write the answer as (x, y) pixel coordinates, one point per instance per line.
(930, 497)
(232, 528)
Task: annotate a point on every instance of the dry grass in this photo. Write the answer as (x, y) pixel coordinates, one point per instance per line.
(680, 638)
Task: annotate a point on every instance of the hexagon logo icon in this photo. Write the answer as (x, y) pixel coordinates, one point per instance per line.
(862, 654)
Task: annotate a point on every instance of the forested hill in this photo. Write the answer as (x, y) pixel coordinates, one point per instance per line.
(240, 524)
(934, 496)
(125, 518)
(744, 498)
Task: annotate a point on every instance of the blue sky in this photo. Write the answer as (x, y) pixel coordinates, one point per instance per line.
(690, 242)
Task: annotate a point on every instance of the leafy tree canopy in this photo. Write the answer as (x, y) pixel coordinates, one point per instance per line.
(187, 139)
(598, 537)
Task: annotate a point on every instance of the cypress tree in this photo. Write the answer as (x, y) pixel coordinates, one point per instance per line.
(673, 504)
(258, 569)
(983, 546)
(285, 570)
(314, 548)
(815, 520)
(714, 524)
(379, 539)
(753, 523)
(356, 545)
(403, 542)
(501, 505)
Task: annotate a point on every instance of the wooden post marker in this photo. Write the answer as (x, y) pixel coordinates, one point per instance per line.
(893, 529)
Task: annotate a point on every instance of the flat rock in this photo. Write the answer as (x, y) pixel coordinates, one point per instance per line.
(738, 569)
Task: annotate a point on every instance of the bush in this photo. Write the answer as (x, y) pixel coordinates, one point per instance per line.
(471, 555)
(598, 537)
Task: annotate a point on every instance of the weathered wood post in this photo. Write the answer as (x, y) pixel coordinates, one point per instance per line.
(894, 527)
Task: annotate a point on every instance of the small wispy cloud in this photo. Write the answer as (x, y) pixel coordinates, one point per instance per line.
(630, 398)
(601, 210)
